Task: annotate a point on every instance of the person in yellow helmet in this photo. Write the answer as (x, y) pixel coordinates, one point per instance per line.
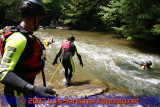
(47, 42)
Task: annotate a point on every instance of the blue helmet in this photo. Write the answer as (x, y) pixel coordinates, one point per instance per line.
(32, 7)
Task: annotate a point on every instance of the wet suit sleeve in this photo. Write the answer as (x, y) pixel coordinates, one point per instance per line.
(79, 56)
(58, 55)
(15, 45)
(138, 63)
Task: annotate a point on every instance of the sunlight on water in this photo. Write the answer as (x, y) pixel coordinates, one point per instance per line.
(105, 58)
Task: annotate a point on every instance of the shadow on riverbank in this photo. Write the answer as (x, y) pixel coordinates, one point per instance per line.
(79, 83)
(145, 46)
(149, 47)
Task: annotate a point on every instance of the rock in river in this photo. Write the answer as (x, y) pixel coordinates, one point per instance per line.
(81, 91)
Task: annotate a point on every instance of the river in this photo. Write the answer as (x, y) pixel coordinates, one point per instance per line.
(107, 58)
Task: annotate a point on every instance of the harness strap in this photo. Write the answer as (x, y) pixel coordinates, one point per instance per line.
(7, 32)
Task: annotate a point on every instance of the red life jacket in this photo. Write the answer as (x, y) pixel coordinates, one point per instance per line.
(145, 66)
(34, 64)
(6, 32)
(66, 47)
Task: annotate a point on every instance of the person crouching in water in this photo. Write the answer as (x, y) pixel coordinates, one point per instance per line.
(68, 50)
(144, 65)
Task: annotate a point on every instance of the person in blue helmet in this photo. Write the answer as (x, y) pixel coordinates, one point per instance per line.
(22, 56)
(68, 50)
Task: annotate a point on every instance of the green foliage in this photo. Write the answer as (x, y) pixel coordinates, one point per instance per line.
(53, 10)
(82, 13)
(118, 29)
(132, 18)
(71, 11)
(10, 13)
(110, 13)
(156, 29)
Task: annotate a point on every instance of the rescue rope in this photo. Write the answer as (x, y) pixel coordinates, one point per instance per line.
(56, 70)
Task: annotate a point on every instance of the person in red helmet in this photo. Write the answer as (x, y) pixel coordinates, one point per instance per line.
(68, 50)
(22, 56)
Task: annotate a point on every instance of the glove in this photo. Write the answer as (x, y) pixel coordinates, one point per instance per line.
(55, 62)
(81, 63)
(44, 91)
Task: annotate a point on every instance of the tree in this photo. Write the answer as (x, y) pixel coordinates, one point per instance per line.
(10, 12)
(82, 13)
(134, 19)
(53, 10)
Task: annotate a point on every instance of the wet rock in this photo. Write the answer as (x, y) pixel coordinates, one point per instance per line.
(81, 91)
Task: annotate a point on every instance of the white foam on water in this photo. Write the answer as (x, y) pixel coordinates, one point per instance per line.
(108, 55)
(108, 60)
(150, 80)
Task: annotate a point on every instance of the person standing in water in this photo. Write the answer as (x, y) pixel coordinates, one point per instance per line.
(22, 56)
(67, 51)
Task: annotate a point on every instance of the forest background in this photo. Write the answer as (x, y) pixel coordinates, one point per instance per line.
(138, 19)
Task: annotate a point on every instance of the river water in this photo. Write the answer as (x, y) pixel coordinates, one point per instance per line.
(106, 58)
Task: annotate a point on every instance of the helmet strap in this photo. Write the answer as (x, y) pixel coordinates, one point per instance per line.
(36, 26)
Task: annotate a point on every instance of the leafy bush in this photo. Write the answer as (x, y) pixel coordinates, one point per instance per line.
(132, 18)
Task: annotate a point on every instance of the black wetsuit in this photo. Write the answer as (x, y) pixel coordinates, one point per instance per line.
(67, 61)
(143, 65)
